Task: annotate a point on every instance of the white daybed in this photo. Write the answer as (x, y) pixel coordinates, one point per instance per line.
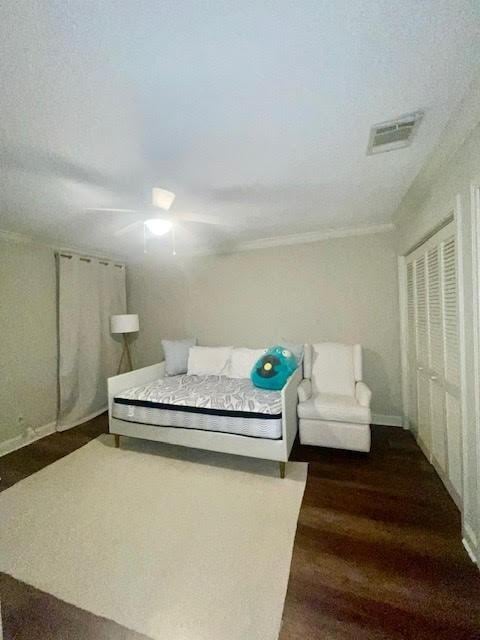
(276, 446)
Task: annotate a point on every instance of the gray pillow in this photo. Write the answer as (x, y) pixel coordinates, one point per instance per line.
(176, 355)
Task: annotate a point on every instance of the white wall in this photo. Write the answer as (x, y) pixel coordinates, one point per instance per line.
(28, 347)
(342, 289)
(444, 182)
(157, 292)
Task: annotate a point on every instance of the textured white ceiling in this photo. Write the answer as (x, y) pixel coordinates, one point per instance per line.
(256, 113)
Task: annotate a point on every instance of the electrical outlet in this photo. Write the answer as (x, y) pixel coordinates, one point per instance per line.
(30, 433)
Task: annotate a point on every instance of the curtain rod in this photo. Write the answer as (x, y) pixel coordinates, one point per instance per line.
(88, 258)
(20, 237)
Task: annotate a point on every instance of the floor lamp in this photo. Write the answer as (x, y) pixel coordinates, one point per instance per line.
(125, 323)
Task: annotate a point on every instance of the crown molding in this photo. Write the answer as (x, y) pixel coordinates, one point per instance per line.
(11, 236)
(312, 236)
(251, 245)
(463, 120)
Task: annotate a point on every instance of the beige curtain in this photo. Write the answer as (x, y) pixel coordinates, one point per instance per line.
(89, 292)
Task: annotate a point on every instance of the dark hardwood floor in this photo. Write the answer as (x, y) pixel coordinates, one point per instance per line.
(377, 552)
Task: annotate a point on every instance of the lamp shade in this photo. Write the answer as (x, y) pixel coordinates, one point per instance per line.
(125, 323)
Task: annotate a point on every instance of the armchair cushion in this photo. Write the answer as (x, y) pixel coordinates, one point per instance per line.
(340, 408)
(304, 390)
(333, 368)
(363, 394)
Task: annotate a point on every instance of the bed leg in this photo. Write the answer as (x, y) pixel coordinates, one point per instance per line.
(282, 466)
(117, 441)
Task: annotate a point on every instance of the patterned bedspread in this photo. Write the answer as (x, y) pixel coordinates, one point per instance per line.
(218, 393)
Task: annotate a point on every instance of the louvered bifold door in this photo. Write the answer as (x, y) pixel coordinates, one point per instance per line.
(412, 348)
(436, 358)
(434, 354)
(452, 363)
(421, 329)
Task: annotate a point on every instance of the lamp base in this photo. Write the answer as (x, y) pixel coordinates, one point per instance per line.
(125, 354)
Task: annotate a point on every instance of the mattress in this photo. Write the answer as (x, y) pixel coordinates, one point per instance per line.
(206, 403)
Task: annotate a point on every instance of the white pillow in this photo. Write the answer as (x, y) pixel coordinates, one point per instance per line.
(208, 361)
(242, 361)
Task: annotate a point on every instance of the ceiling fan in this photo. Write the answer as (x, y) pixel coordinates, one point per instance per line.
(154, 221)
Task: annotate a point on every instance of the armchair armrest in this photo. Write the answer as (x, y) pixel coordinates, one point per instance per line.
(304, 390)
(363, 394)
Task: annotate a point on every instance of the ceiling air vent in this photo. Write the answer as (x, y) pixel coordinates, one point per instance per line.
(395, 134)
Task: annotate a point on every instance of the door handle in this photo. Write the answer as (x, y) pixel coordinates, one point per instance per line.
(433, 377)
(419, 368)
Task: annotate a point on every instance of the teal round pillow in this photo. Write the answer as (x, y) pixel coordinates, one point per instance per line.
(273, 369)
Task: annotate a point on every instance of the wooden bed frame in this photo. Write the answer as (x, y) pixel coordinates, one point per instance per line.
(278, 450)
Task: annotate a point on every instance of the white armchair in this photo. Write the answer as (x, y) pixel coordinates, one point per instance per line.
(334, 403)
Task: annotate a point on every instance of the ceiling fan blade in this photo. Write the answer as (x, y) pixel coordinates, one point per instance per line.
(204, 219)
(111, 210)
(128, 228)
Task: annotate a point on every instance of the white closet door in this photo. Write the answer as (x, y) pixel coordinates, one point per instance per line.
(412, 348)
(421, 312)
(452, 363)
(436, 358)
(452, 351)
(434, 355)
(454, 440)
(423, 385)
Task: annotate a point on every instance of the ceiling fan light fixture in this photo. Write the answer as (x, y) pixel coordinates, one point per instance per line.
(162, 198)
(158, 226)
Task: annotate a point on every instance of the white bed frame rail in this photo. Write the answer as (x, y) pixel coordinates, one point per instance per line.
(211, 440)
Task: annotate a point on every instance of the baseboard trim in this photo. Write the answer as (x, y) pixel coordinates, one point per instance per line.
(423, 448)
(389, 421)
(470, 551)
(23, 439)
(469, 541)
(65, 427)
(446, 481)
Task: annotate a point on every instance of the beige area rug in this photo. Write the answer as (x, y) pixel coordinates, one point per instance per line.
(177, 544)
